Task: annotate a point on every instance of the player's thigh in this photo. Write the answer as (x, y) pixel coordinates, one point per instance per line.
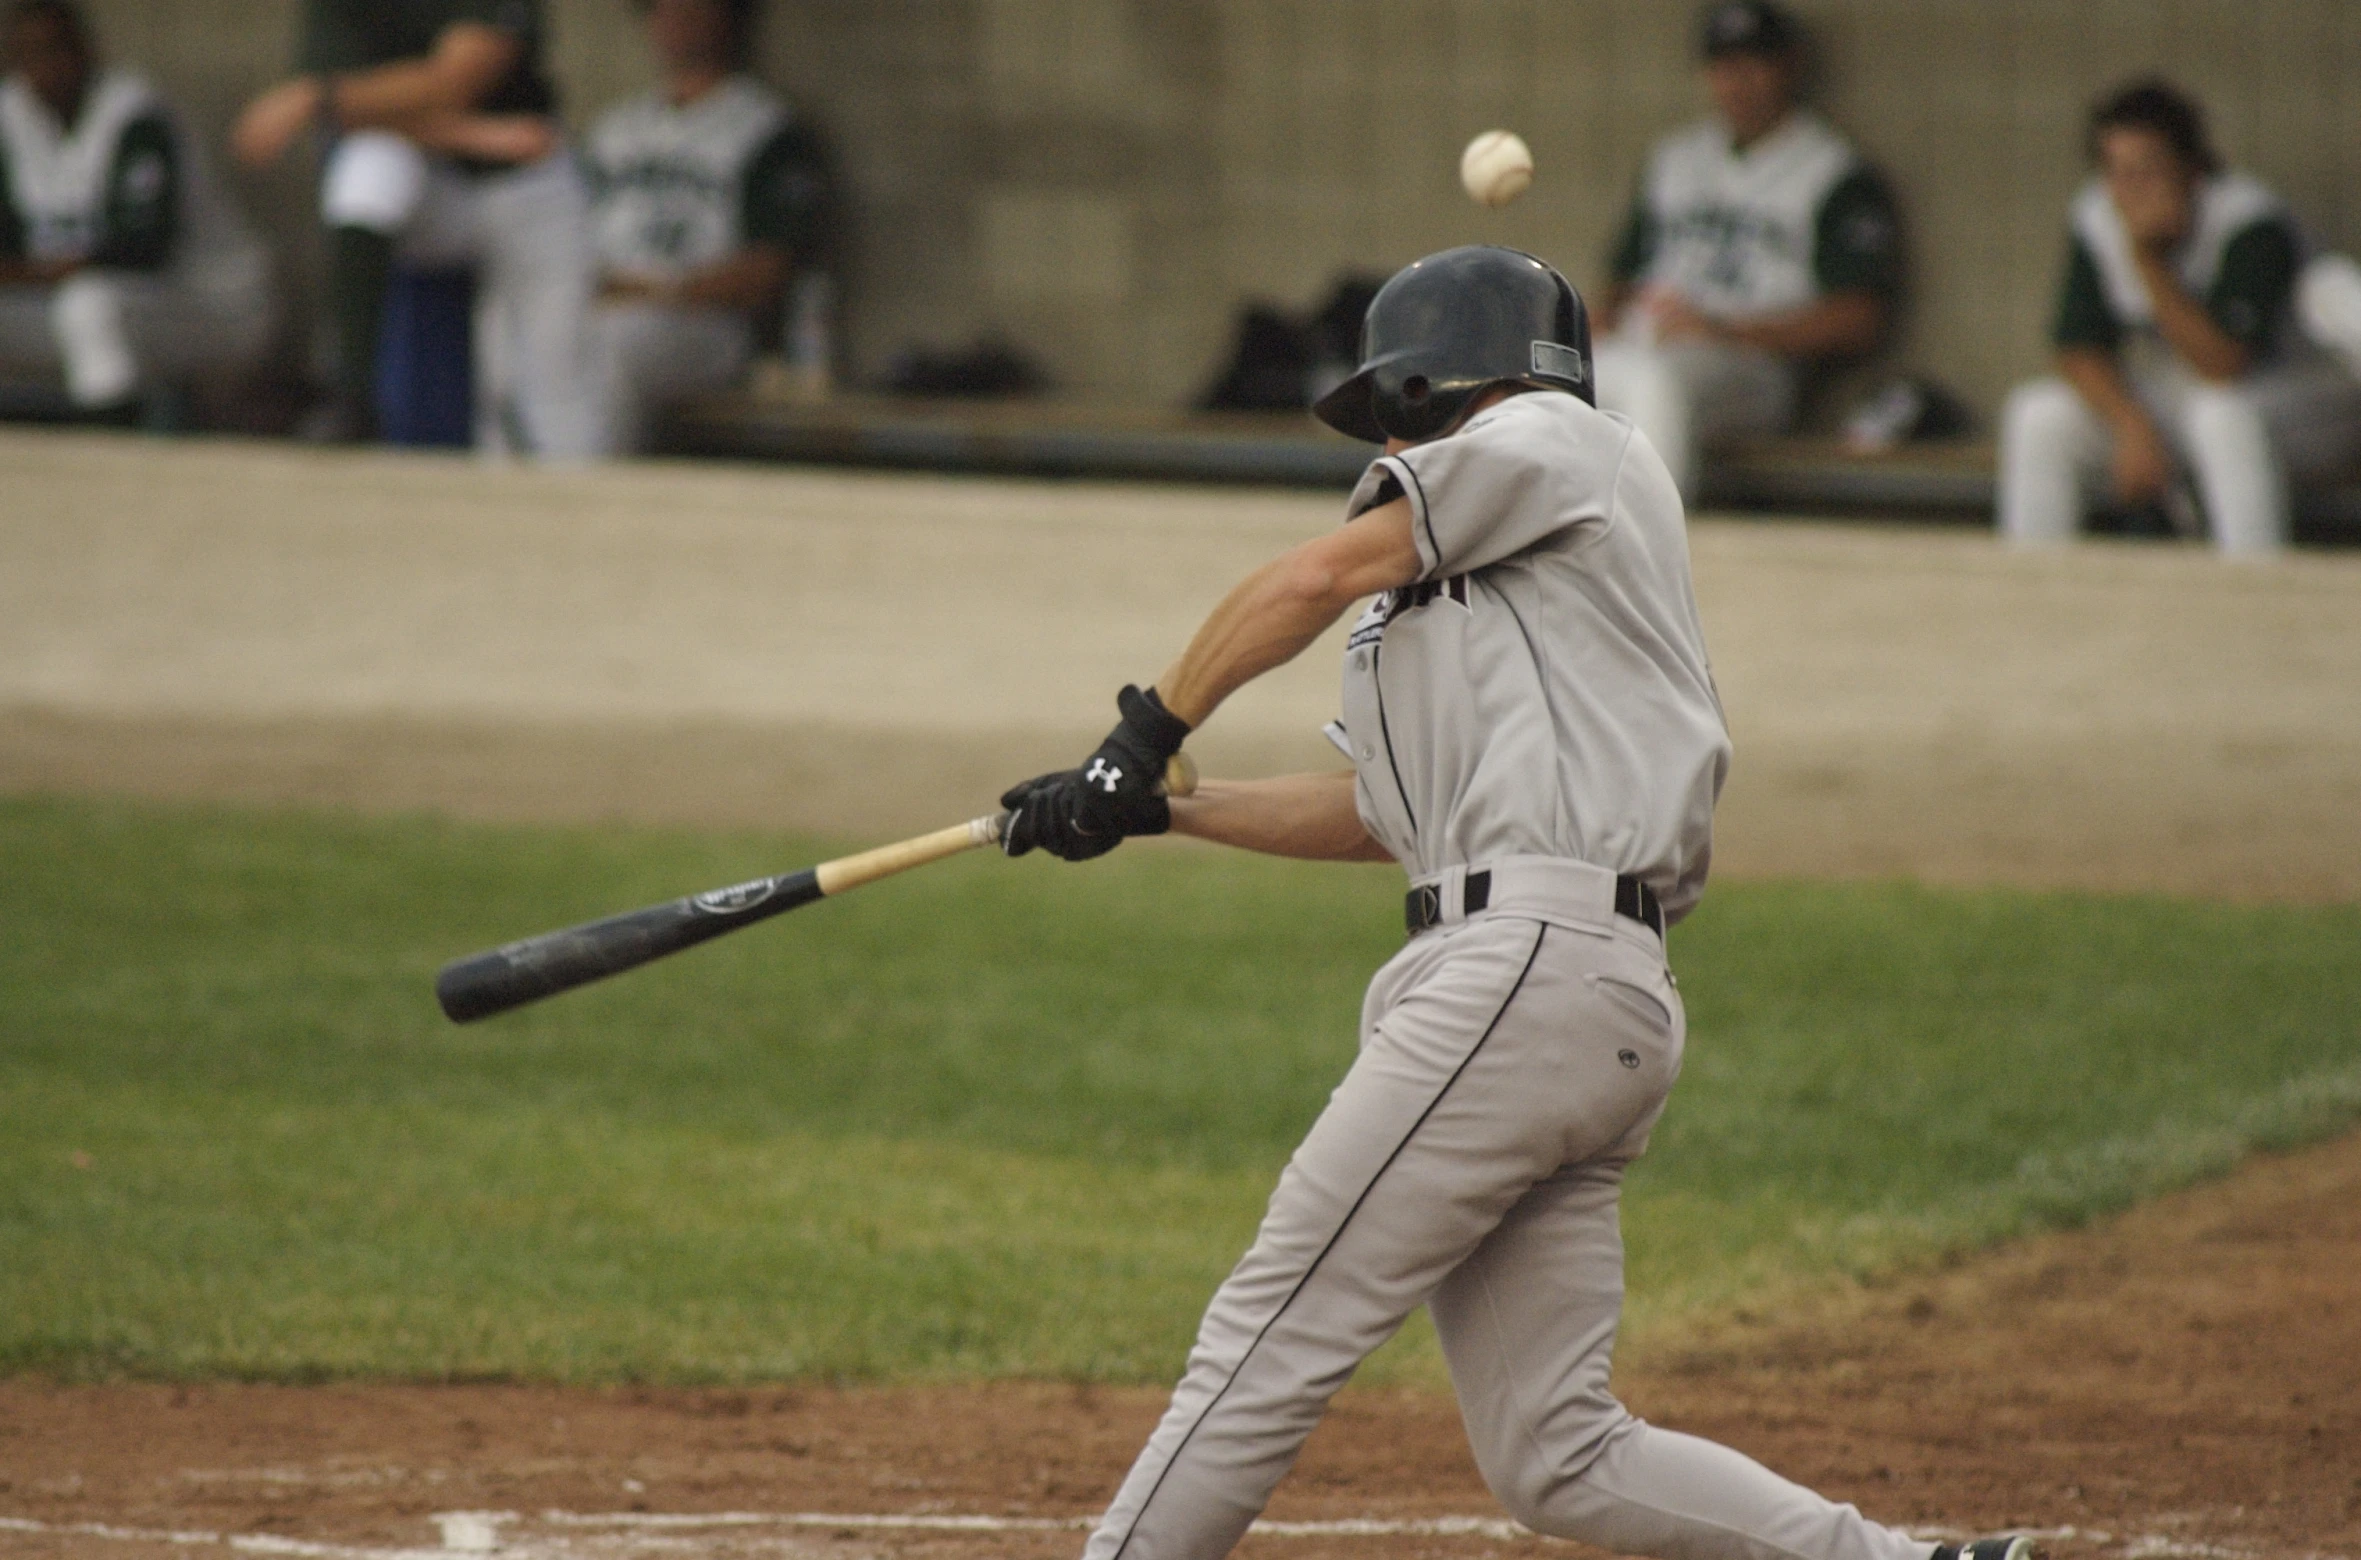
(2312, 411)
(536, 227)
(1734, 392)
(664, 354)
(2046, 421)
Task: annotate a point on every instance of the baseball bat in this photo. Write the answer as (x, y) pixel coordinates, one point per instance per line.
(510, 976)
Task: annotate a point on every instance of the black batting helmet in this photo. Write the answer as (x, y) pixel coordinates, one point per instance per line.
(1446, 328)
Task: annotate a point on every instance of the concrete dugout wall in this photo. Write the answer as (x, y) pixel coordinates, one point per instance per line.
(1103, 181)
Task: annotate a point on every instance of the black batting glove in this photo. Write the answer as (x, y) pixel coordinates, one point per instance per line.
(1123, 782)
(1041, 816)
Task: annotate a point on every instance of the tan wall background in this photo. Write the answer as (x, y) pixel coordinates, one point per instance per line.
(1103, 181)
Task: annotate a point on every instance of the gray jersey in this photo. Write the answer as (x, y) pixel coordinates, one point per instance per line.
(1542, 689)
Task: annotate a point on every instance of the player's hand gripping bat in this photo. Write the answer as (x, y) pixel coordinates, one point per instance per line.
(507, 977)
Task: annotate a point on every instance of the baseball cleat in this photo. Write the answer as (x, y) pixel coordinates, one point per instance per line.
(2011, 1546)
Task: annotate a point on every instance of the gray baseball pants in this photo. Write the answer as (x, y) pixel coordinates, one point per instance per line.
(1512, 1064)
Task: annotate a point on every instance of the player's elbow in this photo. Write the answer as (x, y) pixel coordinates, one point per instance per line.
(1310, 583)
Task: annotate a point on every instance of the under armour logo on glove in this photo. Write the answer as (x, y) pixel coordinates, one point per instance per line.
(1103, 775)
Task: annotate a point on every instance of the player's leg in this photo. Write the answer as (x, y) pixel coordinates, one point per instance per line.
(645, 357)
(88, 311)
(370, 192)
(1468, 1089)
(2328, 301)
(2244, 488)
(534, 232)
(1638, 381)
(2311, 409)
(2052, 447)
(1528, 1326)
(124, 332)
(1734, 392)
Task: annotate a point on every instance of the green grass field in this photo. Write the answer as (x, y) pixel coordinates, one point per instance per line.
(990, 1118)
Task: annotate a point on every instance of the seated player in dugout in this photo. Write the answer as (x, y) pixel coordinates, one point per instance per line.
(707, 193)
(2183, 385)
(1758, 245)
(443, 150)
(1533, 733)
(122, 268)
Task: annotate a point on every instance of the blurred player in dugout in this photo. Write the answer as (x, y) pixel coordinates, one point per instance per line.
(706, 193)
(444, 151)
(121, 268)
(2183, 381)
(1758, 245)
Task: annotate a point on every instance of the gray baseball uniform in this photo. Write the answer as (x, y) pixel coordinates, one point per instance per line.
(1530, 721)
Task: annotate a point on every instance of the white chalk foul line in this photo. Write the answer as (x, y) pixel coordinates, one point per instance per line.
(941, 1522)
(250, 1543)
(481, 1532)
(925, 1522)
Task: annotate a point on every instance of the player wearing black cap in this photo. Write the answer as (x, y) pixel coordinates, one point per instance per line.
(1534, 735)
(1758, 243)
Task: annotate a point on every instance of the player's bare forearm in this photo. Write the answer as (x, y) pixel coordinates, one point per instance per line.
(2097, 378)
(469, 59)
(1845, 324)
(1308, 817)
(2183, 321)
(1286, 604)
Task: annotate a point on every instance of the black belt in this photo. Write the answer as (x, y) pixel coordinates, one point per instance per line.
(1422, 908)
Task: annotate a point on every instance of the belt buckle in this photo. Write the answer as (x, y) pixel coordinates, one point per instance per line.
(1424, 907)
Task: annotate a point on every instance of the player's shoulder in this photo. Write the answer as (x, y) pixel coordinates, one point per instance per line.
(2233, 201)
(751, 106)
(1692, 147)
(1545, 440)
(629, 120)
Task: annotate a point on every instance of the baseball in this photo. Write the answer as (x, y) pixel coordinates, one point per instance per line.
(1496, 167)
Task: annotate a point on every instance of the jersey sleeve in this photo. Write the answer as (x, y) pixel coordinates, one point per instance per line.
(142, 218)
(1857, 237)
(2084, 318)
(1491, 491)
(1635, 246)
(2256, 284)
(784, 199)
(12, 221)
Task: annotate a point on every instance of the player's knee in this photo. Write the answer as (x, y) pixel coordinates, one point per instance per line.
(87, 311)
(2223, 417)
(1533, 1471)
(2044, 413)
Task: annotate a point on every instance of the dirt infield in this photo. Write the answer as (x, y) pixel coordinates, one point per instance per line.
(865, 654)
(2183, 1382)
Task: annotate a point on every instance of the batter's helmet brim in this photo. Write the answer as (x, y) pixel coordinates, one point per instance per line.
(1351, 408)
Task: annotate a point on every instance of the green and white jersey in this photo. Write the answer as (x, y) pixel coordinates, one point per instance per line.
(1542, 689)
(676, 187)
(120, 186)
(105, 188)
(2241, 260)
(1789, 219)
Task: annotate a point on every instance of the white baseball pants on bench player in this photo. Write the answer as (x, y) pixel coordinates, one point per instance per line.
(2244, 443)
(1511, 1065)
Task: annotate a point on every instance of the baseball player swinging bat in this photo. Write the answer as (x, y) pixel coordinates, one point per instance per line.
(520, 972)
